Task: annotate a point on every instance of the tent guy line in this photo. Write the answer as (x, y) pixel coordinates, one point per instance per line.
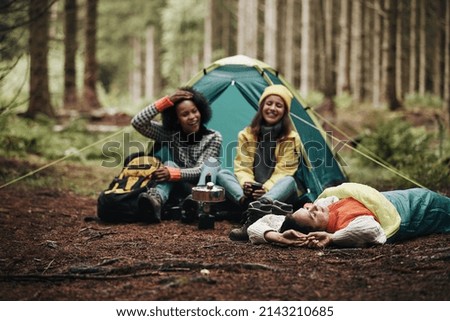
(61, 159)
(374, 159)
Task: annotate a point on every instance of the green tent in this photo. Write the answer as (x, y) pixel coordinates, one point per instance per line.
(233, 86)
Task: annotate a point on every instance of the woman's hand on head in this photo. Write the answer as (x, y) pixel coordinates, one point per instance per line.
(180, 95)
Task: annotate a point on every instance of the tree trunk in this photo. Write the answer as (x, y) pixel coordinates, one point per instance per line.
(289, 44)
(368, 52)
(413, 48)
(329, 46)
(447, 61)
(399, 52)
(150, 75)
(356, 51)
(438, 11)
(343, 65)
(376, 82)
(228, 28)
(208, 41)
(305, 48)
(90, 65)
(248, 28)
(135, 84)
(270, 33)
(327, 107)
(315, 48)
(422, 48)
(39, 13)
(390, 26)
(158, 79)
(241, 27)
(70, 49)
(319, 69)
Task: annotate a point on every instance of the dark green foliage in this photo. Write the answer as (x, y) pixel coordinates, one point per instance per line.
(412, 151)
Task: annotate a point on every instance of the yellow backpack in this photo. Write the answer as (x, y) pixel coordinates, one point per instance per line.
(118, 203)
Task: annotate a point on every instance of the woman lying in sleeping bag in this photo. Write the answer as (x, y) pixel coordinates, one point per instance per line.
(356, 215)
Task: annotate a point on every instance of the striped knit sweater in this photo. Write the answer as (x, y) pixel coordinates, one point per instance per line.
(189, 156)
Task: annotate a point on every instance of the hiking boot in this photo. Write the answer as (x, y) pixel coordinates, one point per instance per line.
(280, 208)
(150, 204)
(255, 211)
(265, 200)
(190, 210)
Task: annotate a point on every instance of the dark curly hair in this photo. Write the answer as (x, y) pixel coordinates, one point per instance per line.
(290, 224)
(169, 115)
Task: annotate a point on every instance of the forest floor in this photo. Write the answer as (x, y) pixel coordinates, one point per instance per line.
(53, 248)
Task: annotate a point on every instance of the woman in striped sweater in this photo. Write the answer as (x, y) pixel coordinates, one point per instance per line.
(187, 146)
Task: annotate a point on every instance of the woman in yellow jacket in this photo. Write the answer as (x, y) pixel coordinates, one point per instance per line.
(267, 157)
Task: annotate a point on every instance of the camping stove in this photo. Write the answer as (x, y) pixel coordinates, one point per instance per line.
(206, 195)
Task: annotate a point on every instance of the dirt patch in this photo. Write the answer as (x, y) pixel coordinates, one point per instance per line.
(53, 249)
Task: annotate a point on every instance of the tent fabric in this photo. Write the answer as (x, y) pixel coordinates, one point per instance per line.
(233, 87)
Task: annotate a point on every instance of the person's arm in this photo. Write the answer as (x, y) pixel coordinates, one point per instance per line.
(257, 231)
(265, 230)
(361, 232)
(245, 156)
(143, 121)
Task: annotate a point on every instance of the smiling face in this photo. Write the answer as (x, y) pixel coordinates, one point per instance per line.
(273, 109)
(189, 117)
(313, 216)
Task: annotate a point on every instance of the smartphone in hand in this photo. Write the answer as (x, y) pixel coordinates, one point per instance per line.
(256, 186)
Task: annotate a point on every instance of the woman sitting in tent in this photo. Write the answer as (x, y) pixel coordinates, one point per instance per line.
(356, 215)
(267, 158)
(190, 145)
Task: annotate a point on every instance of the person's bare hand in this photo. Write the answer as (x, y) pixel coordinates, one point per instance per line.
(289, 237)
(258, 193)
(180, 95)
(248, 189)
(294, 235)
(251, 193)
(319, 239)
(161, 174)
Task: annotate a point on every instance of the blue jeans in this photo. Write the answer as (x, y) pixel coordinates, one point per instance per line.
(284, 190)
(210, 167)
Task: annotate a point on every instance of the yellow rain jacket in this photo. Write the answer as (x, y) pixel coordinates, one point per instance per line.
(287, 154)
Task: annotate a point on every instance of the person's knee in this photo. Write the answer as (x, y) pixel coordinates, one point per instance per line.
(222, 175)
(288, 182)
(291, 182)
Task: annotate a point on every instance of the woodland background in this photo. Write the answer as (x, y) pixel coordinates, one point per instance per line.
(380, 69)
